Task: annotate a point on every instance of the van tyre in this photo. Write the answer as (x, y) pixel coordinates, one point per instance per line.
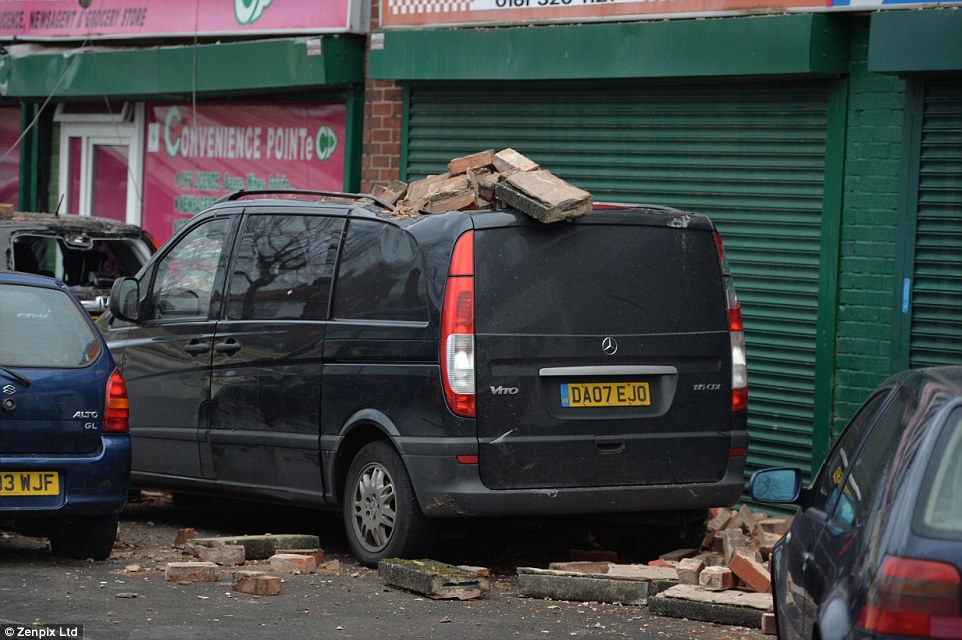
(381, 513)
(85, 537)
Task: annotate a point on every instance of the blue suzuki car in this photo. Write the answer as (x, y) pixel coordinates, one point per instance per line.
(876, 548)
(64, 442)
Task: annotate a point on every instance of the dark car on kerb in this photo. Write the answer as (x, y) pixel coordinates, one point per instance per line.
(84, 252)
(64, 444)
(876, 549)
(319, 350)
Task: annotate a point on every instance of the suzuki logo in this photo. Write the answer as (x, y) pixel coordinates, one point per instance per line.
(9, 389)
(504, 391)
(609, 345)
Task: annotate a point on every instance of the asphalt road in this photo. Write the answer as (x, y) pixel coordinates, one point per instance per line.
(128, 597)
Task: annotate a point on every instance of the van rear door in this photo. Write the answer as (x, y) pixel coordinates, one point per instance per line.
(603, 354)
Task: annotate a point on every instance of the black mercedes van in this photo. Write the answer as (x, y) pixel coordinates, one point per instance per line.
(317, 349)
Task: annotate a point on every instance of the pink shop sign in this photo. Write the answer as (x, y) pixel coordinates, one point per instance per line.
(193, 157)
(52, 19)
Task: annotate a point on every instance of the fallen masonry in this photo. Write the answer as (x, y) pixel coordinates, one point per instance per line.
(487, 179)
(434, 579)
(257, 547)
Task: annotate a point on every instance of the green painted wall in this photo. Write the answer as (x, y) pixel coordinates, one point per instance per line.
(867, 291)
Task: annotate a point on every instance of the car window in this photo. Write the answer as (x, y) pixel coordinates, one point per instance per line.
(837, 463)
(184, 280)
(43, 328)
(380, 276)
(872, 463)
(93, 263)
(283, 268)
(939, 510)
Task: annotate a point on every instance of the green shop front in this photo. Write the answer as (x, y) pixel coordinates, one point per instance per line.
(742, 118)
(151, 134)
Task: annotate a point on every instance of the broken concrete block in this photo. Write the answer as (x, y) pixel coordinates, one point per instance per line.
(543, 196)
(390, 193)
(509, 160)
(578, 587)
(478, 160)
(259, 547)
(753, 573)
(189, 572)
(292, 563)
(716, 578)
(257, 584)
(229, 554)
(433, 579)
(689, 569)
(739, 608)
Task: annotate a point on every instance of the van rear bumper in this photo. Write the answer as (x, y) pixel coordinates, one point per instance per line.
(447, 489)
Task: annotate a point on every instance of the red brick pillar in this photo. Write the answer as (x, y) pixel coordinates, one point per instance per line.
(383, 104)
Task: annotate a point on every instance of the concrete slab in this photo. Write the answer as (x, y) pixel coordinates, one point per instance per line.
(434, 579)
(631, 587)
(738, 608)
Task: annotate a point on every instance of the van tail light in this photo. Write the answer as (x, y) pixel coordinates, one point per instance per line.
(736, 330)
(117, 412)
(918, 598)
(457, 330)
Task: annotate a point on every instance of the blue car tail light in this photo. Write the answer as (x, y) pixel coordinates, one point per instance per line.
(918, 598)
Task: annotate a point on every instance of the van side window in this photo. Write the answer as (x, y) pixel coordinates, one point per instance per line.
(381, 276)
(185, 276)
(283, 267)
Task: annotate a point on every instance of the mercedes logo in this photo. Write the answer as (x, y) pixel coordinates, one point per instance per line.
(609, 345)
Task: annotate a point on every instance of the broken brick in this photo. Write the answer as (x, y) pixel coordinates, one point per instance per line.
(232, 554)
(509, 160)
(317, 554)
(292, 563)
(720, 520)
(689, 569)
(593, 555)
(390, 193)
(753, 573)
(258, 585)
(189, 572)
(768, 624)
(183, 536)
(478, 160)
(716, 578)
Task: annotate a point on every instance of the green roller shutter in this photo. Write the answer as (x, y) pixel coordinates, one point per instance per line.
(936, 335)
(750, 154)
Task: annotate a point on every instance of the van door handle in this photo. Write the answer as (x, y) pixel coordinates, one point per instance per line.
(610, 444)
(196, 347)
(228, 347)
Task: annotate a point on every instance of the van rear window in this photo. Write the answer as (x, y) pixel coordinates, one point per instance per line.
(571, 279)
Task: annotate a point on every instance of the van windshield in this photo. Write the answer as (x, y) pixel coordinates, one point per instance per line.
(576, 279)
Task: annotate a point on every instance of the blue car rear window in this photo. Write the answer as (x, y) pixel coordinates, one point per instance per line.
(939, 509)
(43, 328)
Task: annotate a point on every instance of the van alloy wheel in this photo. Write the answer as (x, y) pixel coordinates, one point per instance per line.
(381, 513)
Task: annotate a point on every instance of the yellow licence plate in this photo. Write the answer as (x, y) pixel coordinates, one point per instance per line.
(605, 394)
(29, 483)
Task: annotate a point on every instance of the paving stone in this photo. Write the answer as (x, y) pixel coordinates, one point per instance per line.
(261, 547)
(433, 579)
(582, 566)
(628, 588)
(188, 572)
(543, 196)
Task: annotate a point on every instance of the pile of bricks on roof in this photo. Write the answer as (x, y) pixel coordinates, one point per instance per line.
(735, 552)
(485, 180)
